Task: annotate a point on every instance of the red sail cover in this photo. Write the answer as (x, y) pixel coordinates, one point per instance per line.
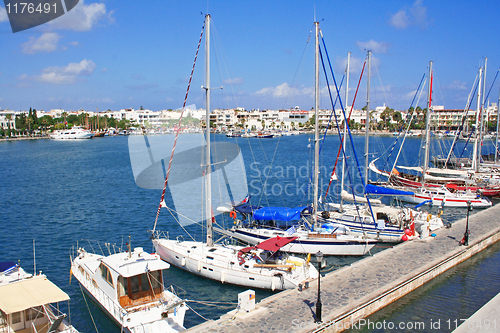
(275, 243)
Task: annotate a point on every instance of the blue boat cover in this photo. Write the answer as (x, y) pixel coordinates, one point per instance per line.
(373, 189)
(246, 209)
(6, 266)
(278, 213)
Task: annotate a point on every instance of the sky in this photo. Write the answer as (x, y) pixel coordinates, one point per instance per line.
(114, 54)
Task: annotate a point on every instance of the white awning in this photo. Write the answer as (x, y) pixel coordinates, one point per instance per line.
(24, 294)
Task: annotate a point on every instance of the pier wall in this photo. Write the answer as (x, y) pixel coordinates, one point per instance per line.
(405, 285)
(358, 290)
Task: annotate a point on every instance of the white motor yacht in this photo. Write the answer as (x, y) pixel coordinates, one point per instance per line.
(128, 286)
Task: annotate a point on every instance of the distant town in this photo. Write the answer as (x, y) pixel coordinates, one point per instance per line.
(382, 118)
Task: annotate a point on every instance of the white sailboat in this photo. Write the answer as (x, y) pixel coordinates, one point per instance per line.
(375, 220)
(329, 238)
(128, 287)
(443, 196)
(26, 302)
(262, 266)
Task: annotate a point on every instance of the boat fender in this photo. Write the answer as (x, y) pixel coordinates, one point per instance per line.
(199, 266)
(183, 261)
(222, 276)
(232, 215)
(308, 258)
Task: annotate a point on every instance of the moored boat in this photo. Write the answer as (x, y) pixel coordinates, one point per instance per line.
(26, 302)
(128, 287)
(74, 133)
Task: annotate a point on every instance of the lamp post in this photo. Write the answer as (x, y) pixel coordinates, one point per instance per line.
(319, 258)
(465, 240)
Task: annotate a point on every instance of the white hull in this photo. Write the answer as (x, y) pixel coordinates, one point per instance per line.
(147, 317)
(75, 133)
(444, 198)
(222, 264)
(308, 242)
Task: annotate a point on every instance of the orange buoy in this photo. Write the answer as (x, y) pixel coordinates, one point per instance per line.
(233, 215)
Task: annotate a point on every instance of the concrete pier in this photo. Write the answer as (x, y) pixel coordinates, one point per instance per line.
(356, 291)
(485, 320)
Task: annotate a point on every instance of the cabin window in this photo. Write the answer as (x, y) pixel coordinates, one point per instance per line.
(140, 289)
(134, 284)
(106, 274)
(34, 313)
(16, 317)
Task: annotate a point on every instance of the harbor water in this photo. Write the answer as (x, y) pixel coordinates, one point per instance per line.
(58, 193)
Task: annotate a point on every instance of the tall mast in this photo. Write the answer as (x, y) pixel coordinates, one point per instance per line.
(345, 126)
(208, 167)
(482, 110)
(367, 124)
(427, 125)
(475, 154)
(496, 137)
(316, 123)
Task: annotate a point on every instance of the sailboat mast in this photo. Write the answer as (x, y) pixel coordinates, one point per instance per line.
(482, 110)
(208, 168)
(475, 154)
(367, 121)
(316, 123)
(345, 126)
(496, 136)
(427, 125)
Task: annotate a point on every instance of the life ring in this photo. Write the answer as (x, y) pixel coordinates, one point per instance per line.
(232, 215)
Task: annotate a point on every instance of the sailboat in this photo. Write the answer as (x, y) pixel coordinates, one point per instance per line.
(311, 236)
(263, 266)
(432, 194)
(375, 220)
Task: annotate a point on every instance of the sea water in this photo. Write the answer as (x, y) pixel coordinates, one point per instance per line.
(58, 193)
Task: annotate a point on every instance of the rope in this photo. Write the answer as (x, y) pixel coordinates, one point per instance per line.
(178, 129)
(343, 137)
(206, 319)
(85, 299)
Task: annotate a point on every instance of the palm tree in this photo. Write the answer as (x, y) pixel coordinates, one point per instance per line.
(263, 124)
(29, 120)
(9, 118)
(64, 115)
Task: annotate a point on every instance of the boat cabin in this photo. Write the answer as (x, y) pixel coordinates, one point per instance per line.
(132, 279)
(26, 306)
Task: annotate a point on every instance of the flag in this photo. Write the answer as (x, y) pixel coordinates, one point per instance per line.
(291, 230)
(334, 176)
(246, 200)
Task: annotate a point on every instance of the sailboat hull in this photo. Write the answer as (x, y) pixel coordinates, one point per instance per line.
(221, 263)
(328, 244)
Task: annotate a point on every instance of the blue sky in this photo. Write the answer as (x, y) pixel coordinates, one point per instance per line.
(114, 54)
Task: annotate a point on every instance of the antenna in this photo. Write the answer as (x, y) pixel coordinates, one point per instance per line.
(34, 258)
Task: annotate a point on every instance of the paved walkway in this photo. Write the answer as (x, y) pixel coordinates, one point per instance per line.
(352, 286)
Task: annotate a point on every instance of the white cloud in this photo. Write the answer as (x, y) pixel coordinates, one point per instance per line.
(68, 74)
(375, 47)
(284, 90)
(47, 42)
(400, 20)
(415, 15)
(75, 44)
(235, 81)
(3, 15)
(458, 85)
(82, 17)
(23, 77)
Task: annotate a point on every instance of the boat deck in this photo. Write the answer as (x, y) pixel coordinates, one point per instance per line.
(356, 291)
